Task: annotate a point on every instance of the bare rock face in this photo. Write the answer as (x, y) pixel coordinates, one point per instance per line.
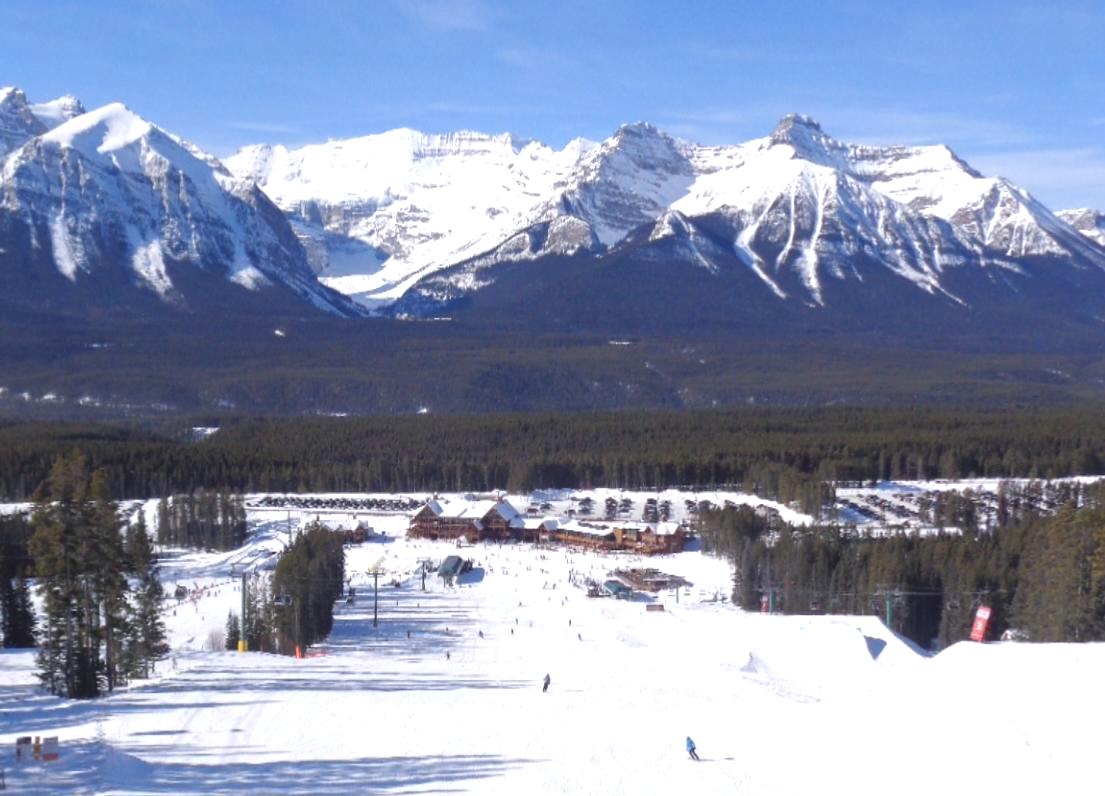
(1090, 223)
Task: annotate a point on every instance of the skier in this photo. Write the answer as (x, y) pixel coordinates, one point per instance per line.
(691, 749)
(546, 686)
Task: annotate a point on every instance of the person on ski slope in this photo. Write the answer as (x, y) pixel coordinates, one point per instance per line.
(691, 749)
(546, 686)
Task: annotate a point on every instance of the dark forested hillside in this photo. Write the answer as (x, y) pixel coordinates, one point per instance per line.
(73, 369)
(1041, 576)
(785, 453)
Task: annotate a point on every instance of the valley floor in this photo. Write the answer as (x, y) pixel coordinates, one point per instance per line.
(444, 694)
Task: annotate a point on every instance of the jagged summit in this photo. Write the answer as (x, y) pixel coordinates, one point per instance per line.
(105, 129)
(1087, 221)
(107, 197)
(639, 130)
(18, 123)
(58, 111)
(809, 141)
(383, 211)
(799, 120)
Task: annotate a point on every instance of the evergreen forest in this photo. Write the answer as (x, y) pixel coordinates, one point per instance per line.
(785, 454)
(1043, 577)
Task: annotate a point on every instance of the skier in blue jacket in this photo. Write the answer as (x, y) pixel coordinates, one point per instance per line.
(690, 749)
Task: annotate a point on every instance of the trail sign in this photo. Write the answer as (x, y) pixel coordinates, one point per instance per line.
(981, 623)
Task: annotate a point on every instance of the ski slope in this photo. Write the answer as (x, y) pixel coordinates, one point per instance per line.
(421, 703)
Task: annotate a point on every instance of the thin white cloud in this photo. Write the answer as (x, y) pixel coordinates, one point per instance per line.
(472, 15)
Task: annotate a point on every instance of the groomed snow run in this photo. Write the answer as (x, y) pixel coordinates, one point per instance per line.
(422, 703)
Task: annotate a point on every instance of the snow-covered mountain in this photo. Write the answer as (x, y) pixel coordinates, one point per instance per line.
(378, 211)
(1090, 223)
(107, 197)
(414, 222)
(384, 214)
(18, 122)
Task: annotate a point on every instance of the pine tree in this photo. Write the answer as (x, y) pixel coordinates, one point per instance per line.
(233, 631)
(68, 658)
(164, 523)
(19, 615)
(80, 566)
(147, 639)
(107, 567)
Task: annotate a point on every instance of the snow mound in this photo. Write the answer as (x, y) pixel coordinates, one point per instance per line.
(820, 653)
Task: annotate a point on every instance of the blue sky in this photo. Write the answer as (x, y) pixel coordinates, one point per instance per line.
(1016, 88)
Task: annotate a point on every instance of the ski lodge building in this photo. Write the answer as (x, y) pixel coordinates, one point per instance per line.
(498, 520)
(480, 520)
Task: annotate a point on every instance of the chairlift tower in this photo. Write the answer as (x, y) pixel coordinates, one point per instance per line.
(376, 571)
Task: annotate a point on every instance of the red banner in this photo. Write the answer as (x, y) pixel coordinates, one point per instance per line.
(981, 623)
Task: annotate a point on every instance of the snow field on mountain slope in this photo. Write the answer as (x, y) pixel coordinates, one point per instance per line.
(452, 197)
(775, 704)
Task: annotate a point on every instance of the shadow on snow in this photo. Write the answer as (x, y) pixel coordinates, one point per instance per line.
(95, 767)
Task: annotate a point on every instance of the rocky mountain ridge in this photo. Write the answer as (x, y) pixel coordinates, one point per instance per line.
(405, 214)
(111, 203)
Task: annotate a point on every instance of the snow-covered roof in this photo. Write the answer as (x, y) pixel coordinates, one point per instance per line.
(536, 523)
(472, 509)
(589, 528)
(667, 528)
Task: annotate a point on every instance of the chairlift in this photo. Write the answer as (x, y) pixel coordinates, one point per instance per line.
(281, 599)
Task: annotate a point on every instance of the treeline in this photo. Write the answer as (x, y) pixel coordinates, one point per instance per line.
(1041, 575)
(260, 621)
(17, 618)
(101, 599)
(309, 577)
(204, 519)
(782, 453)
(295, 607)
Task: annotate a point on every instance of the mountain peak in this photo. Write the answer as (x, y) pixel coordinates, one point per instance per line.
(11, 94)
(639, 128)
(801, 120)
(640, 131)
(58, 111)
(111, 127)
(803, 133)
(644, 140)
(17, 123)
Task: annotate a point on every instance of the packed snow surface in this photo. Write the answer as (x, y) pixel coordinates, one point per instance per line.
(443, 693)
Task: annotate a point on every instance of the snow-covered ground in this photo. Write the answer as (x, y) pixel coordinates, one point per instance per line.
(884, 507)
(627, 504)
(905, 506)
(422, 703)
